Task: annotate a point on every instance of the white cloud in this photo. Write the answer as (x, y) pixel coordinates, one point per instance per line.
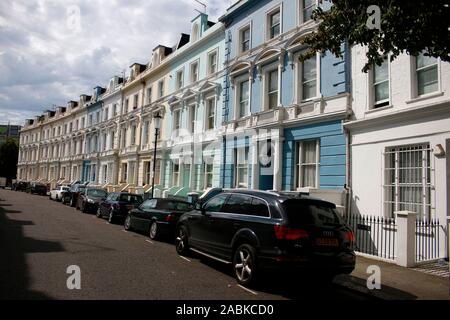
(50, 54)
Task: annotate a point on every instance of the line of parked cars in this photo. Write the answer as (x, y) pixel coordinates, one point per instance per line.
(252, 231)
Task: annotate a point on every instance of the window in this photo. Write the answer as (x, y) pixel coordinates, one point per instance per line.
(238, 204)
(244, 98)
(216, 203)
(212, 62)
(124, 172)
(381, 84)
(135, 101)
(274, 24)
(180, 78)
(176, 174)
(106, 114)
(147, 172)
(308, 7)
(208, 175)
(176, 121)
(272, 89)
(408, 180)
(241, 173)
(427, 74)
(210, 114)
(192, 118)
(133, 135)
(97, 117)
(158, 171)
(145, 133)
(307, 164)
(105, 138)
(111, 142)
(161, 89)
(149, 95)
(309, 78)
(194, 72)
(259, 208)
(245, 39)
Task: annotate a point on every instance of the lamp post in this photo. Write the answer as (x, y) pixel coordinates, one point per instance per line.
(157, 119)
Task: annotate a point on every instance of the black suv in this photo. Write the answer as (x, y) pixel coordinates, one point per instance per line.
(254, 230)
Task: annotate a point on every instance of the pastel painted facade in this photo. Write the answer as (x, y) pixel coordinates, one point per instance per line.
(285, 116)
(400, 137)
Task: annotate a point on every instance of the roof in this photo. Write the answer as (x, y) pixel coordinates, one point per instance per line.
(275, 195)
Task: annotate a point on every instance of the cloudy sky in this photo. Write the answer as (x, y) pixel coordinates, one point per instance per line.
(51, 51)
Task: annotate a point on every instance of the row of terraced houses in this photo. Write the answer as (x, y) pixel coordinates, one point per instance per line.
(240, 110)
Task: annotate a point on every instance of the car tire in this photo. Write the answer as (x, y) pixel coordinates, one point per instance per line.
(244, 265)
(154, 231)
(72, 203)
(127, 223)
(111, 217)
(181, 241)
(83, 207)
(99, 213)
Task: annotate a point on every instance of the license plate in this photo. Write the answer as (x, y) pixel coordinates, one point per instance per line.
(327, 242)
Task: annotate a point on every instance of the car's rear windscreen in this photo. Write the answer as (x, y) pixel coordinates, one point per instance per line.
(306, 212)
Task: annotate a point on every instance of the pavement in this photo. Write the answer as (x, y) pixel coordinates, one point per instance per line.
(40, 239)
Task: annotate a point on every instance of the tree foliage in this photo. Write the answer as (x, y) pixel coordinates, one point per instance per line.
(408, 27)
(9, 153)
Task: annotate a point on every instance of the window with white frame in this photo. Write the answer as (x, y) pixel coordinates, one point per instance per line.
(210, 113)
(180, 79)
(308, 6)
(307, 163)
(309, 78)
(105, 141)
(380, 80)
(408, 180)
(176, 173)
(192, 115)
(209, 169)
(147, 172)
(426, 74)
(274, 23)
(176, 122)
(241, 167)
(145, 132)
(158, 171)
(149, 95)
(244, 98)
(124, 172)
(194, 71)
(244, 41)
(212, 62)
(135, 101)
(133, 135)
(272, 89)
(106, 114)
(160, 88)
(111, 142)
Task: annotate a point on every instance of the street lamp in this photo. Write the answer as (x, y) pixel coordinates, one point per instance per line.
(157, 119)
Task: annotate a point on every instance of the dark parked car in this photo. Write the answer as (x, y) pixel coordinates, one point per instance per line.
(90, 198)
(20, 186)
(157, 216)
(117, 205)
(37, 188)
(71, 197)
(254, 230)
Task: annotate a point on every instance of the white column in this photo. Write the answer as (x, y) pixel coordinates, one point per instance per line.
(277, 163)
(406, 238)
(255, 164)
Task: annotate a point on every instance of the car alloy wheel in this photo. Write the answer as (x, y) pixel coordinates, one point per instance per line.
(111, 216)
(127, 224)
(181, 241)
(154, 230)
(244, 264)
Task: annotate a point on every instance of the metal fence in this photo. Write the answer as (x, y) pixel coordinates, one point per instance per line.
(374, 236)
(427, 240)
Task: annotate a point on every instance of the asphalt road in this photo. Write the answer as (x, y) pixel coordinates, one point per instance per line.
(40, 239)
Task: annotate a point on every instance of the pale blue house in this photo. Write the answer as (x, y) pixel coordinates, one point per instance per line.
(283, 117)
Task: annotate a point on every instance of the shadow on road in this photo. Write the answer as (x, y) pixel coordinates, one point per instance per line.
(298, 286)
(14, 245)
